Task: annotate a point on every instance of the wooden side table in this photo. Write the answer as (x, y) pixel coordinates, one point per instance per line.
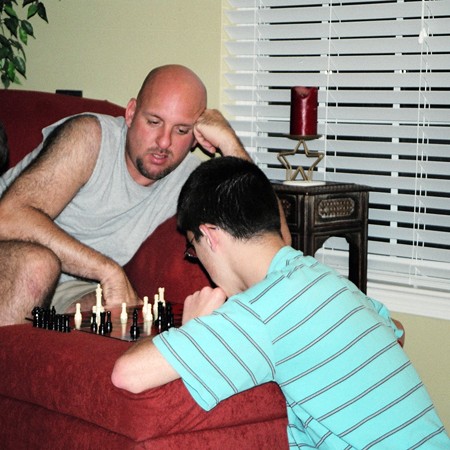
(316, 213)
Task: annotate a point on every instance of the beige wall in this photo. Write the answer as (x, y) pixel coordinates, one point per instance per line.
(106, 47)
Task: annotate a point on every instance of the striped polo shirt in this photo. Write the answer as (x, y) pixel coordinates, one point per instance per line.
(332, 350)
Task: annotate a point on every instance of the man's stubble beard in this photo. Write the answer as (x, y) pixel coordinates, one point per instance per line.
(154, 177)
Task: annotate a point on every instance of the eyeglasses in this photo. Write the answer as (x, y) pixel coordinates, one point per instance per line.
(190, 252)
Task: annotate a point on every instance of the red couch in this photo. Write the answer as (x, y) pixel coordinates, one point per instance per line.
(55, 389)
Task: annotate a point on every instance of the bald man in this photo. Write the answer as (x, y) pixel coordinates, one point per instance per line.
(80, 205)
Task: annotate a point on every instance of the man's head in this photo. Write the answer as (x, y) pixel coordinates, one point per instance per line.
(232, 194)
(161, 122)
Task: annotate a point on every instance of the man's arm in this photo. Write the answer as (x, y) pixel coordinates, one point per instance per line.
(213, 132)
(143, 367)
(41, 192)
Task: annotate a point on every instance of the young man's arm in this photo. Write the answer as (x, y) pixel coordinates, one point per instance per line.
(30, 205)
(143, 367)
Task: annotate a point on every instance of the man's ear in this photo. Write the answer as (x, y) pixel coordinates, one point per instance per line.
(210, 234)
(129, 111)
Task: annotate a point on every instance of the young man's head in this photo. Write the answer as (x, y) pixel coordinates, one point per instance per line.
(232, 194)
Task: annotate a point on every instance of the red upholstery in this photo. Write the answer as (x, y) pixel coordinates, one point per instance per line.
(63, 381)
(166, 267)
(25, 113)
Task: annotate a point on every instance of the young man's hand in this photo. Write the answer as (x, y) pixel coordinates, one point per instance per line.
(203, 303)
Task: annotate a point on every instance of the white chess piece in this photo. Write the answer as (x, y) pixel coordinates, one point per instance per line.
(161, 296)
(155, 306)
(78, 317)
(124, 314)
(145, 307)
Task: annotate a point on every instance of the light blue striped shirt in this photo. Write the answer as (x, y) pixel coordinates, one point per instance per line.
(332, 350)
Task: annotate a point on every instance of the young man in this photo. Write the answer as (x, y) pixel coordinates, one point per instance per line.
(84, 201)
(289, 319)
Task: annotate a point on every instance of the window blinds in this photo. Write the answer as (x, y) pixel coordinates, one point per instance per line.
(383, 72)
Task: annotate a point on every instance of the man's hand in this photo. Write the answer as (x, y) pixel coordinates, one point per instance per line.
(213, 133)
(202, 303)
(117, 288)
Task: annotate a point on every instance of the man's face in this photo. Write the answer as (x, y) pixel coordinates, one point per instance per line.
(161, 130)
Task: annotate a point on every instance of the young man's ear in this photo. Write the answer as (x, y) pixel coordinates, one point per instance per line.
(210, 234)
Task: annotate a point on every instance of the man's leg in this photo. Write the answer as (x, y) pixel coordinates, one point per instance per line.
(28, 276)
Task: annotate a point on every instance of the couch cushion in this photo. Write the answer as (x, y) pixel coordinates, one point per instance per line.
(25, 113)
(70, 373)
(166, 267)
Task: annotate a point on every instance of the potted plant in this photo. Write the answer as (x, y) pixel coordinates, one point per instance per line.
(14, 34)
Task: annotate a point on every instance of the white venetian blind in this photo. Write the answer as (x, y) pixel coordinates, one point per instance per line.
(383, 72)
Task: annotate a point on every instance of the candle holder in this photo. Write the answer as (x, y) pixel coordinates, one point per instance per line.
(291, 174)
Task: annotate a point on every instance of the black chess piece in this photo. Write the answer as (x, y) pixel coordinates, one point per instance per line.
(102, 325)
(134, 329)
(160, 321)
(108, 325)
(94, 322)
(169, 316)
(67, 328)
(35, 314)
(53, 318)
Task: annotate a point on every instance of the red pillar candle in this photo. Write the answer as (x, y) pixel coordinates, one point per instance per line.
(303, 111)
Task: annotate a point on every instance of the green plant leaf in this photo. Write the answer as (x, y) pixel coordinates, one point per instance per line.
(27, 27)
(11, 71)
(23, 36)
(4, 42)
(42, 13)
(32, 10)
(27, 2)
(5, 81)
(10, 11)
(12, 23)
(4, 52)
(20, 65)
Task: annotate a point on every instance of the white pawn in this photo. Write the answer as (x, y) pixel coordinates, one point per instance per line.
(155, 306)
(145, 307)
(124, 314)
(161, 296)
(78, 318)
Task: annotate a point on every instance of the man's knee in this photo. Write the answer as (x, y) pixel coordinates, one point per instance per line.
(28, 276)
(40, 270)
(32, 266)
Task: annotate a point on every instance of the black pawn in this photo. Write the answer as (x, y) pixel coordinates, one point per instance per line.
(102, 326)
(169, 316)
(67, 323)
(108, 325)
(35, 314)
(134, 329)
(94, 322)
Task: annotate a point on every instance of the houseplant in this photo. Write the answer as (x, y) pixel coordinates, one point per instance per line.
(14, 34)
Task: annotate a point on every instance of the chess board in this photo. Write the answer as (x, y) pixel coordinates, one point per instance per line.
(120, 329)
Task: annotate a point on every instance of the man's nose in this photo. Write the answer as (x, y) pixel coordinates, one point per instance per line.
(164, 138)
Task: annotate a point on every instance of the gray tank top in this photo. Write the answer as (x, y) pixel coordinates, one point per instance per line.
(112, 213)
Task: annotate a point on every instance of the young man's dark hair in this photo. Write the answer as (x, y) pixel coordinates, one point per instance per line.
(243, 204)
